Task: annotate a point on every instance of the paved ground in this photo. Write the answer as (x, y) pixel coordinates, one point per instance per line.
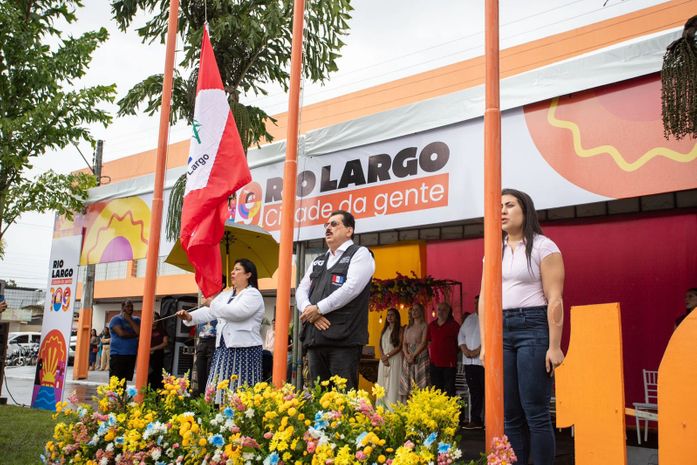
(19, 382)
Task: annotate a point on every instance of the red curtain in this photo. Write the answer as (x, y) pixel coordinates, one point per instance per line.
(644, 262)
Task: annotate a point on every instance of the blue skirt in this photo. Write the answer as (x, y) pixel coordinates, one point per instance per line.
(245, 362)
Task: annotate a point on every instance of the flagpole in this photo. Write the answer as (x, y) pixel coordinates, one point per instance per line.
(146, 316)
(493, 324)
(285, 253)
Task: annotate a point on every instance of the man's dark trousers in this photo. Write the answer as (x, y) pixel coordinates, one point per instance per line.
(326, 361)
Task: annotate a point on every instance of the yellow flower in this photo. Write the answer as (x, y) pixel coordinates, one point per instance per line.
(381, 458)
(223, 384)
(378, 391)
(338, 381)
(202, 442)
(292, 411)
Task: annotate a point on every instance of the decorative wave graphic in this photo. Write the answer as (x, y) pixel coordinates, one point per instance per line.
(119, 230)
(45, 398)
(611, 150)
(139, 224)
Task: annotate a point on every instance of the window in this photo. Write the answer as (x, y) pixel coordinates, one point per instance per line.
(163, 269)
(109, 271)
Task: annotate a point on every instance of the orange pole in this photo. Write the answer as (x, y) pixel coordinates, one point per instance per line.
(290, 171)
(493, 333)
(146, 315)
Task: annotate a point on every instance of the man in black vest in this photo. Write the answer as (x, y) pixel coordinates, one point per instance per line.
(333, 297)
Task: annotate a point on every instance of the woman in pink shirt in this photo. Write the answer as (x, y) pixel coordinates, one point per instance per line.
(533, 316)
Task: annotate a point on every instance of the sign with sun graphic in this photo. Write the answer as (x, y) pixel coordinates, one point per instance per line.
(52, 362)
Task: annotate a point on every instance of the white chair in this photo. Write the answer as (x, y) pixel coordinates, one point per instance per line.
(647, 410)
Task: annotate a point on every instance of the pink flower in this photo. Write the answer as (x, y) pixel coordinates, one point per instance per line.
(210, 392)
(268, 435)
(311, 447)
(360, 455)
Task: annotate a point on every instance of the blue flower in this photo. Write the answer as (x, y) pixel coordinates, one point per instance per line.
(430, 439)
(112, 419)
(360, 438)
(118, 441)
(131, 391)
(217, 440)
(229, 412)
(320, 422)
(271, 459)
(443, 448)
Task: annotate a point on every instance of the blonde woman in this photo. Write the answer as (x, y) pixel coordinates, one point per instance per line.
(415, 362)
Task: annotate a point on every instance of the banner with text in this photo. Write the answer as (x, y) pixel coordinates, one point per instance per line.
(52, 361)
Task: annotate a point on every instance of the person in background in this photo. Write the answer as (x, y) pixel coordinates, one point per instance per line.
(267, 352)
(690, 304)
(205, 348)
(159, 341)
(414, 353)
(239, 312)
(533, 318)
(470, 342)
(106, 345)
(390, 366)
(442, 348)
(124, 329)
(94, 349)
(3, 305)
(269, 337)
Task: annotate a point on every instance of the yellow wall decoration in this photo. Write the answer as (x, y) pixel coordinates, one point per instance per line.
(390, 260)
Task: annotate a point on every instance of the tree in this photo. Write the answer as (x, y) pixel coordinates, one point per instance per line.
(40, 109)
(252, 44)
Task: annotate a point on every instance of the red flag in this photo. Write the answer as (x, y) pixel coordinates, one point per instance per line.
(217, 167)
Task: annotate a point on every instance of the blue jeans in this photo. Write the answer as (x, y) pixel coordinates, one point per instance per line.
(526, 385)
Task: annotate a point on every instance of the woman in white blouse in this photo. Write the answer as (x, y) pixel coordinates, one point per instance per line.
(533, 316)
(239, 312)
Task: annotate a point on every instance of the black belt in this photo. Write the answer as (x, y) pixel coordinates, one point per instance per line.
(524, 309)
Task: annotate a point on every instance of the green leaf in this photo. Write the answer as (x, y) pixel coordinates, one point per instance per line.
(40, 109)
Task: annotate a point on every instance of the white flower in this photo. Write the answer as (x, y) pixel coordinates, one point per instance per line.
(248, 456)
(216, 456)
(229, 423)
(249, 413)
(110, 447)
(155, 454)
(104, 461)
(455, 453)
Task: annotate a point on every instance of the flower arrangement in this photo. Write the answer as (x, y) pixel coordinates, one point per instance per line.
(327, 425)
(406, 290)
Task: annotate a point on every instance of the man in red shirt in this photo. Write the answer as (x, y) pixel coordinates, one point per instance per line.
(442, 349)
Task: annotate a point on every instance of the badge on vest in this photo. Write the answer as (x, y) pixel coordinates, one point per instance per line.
(338, 279)
(345, 260)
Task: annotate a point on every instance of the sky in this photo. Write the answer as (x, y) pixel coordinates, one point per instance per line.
(389, 39)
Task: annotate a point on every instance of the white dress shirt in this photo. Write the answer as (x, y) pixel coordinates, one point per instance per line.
(239, 318)
(360, 271)
(470, 337)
